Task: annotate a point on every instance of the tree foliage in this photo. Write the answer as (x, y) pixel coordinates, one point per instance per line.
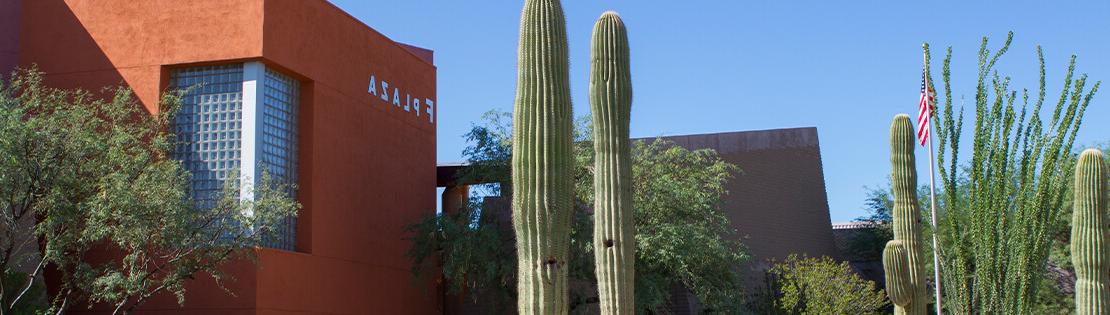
(93, 179)
(999, 212)
(474, 253)
(867, 244)
(682, 234)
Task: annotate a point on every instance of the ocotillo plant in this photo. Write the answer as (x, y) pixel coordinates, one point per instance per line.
(906, 213)
(611, 103)
(1090, 252)
(897, 271)
(1004, 190)
(543, 161)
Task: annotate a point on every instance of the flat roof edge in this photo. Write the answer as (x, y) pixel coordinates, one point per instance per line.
(426, 54)
(747, 141)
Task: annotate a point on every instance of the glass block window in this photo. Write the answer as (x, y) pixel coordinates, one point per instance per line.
(209, 127)
(215, 140)
(277, 138)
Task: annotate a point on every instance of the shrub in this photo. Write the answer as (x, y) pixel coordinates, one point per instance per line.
(805, 285)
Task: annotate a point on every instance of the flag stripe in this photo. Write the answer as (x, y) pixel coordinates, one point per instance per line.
(924, 106)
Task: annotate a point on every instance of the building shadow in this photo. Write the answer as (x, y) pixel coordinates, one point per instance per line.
(53, 39)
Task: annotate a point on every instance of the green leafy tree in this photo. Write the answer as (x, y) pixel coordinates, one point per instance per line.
(109, 209)
(806, 285)
(999, 212)
(868, 242)
(682, 234)
(474, 253)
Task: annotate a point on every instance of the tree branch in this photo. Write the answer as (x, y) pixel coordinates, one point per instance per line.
(30, 281)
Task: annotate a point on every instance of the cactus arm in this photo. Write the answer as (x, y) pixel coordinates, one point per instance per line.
(611, 102)
(542, 162)
(1089, 250)
(897, 271)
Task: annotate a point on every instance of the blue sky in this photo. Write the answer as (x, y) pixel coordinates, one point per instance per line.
(726, 65)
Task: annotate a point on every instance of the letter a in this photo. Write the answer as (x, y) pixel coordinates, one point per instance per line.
(373, 86)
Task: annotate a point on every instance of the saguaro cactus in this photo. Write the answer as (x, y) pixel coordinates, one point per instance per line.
(611, 103)
(906, 213)
(542, 164)
(1089, 248)
(897, 271)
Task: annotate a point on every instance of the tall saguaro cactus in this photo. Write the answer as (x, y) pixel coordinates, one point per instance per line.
(611, 103)
(542, 164)
(907, 214)
(1090, 252)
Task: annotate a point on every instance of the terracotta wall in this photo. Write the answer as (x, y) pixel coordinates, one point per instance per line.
(96, 43)
(366, 166)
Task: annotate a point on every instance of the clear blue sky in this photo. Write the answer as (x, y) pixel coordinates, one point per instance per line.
(727, 65)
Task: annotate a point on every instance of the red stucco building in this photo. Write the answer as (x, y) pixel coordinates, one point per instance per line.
(295, 86)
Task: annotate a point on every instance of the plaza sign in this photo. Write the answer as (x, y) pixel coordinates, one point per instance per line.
(408, 103)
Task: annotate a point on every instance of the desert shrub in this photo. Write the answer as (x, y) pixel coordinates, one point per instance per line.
(806, 285)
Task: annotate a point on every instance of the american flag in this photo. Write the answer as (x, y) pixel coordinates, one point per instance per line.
(924, 109)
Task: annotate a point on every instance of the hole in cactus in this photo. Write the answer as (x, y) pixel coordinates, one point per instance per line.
(608, 243)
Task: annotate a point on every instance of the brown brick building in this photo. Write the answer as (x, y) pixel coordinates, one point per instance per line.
(777, 203)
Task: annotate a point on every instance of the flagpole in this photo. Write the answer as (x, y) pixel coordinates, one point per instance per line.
(932, 185)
